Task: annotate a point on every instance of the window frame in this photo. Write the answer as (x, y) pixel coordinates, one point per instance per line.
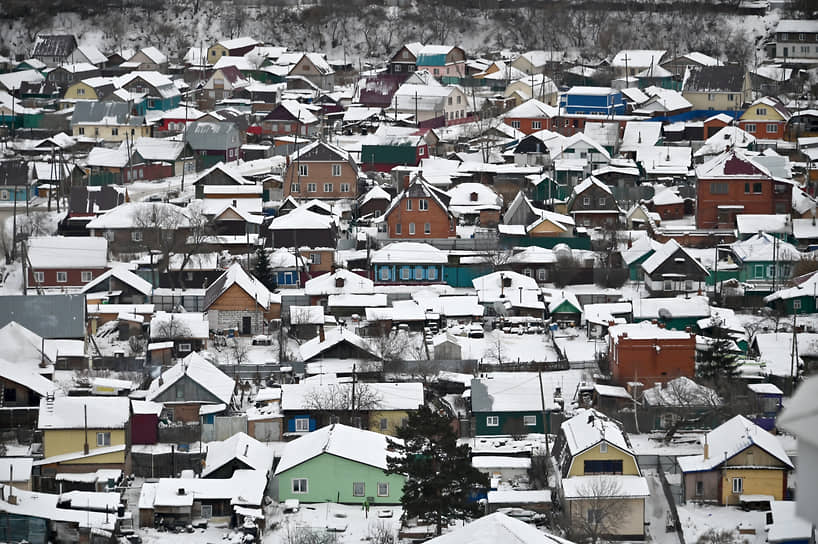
(299, 424)
(603, 447)
(62, 274)
(312, 187)
(336, 170)
(136, 236)
(86, 276)
(423, 204)
(39, 276)
(345, 188)
(530, 421)
(737, 489)
(103, 439)
(303, 169)
(359, 489)
(383, 494)
(328, 188)
(427, 228)
(300, 489)
(411, 229)
(492, 421)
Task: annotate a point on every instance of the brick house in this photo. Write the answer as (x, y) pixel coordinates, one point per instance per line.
(321, 170)
(65, 263)
(419, 212)
(237, 300)
(766, 119)
(290, 118)
(650, 353)
(733, 183)
(531, 116)
(592, 204)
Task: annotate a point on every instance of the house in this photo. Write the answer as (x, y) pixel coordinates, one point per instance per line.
(157, 91)
(374, 202)
(188, 387)
(83, 432)
(290, 118)
(629, 62)
(720, 88)
(475, 204)
(764, 261)
(93, 89)
(22, 385)
(410, 263)
(531, 116)
(512, 403)
(107, 121)
(508, 293)
(726, 138)
(66, 74)
(235, 47)
(16, 185)
(213, 142)
(800, 298)
(338, 463)
(765, 119)
(145, 421)
(680, 63)
(54, 49)
(739, 458)
(603, 101)
(337, 343)
(668, 204)
(189, 331)
(132, 226)
(339, 281)
(58, 263)
(303, 228)
(27, 349)
(404, 61)
(239, 452)
(314, 68)
(679, 403)
(671, 270)
(497, 527)
(179, 155)
(766, 399)
(220, 175)
(238, 301)
(391, 146)
(537, 86)
(793, 40)
(147, 59)
(419, 206)
(431, 104)
(223, 83)
(321, 170)
(443, 61)
(734, 183)
(592, 204)
(649, 353)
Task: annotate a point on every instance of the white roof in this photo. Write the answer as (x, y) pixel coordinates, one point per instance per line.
(26, 348)
(729, 137)
(681, 392)
(256, 290)
(751, 223)
(639, 133)
(241, 447)
(461, 195)
(128, 215)
(325, 284)
(500, 461)
(315, 346)
(667, 197)
(663, 253)
(68, 252)
(588, 428)
(244, 487)
(645, 330)
(775, 351)
(354, 301)
(765, 388)
(385, 396)
(27, 377)
(615, 391)
(219, 384)
(787, 525)
(146, 407)
(302, 219)
(495, 529)
(520, 391)
(21, 465)
(180, 325)
(588, 182)
(578, 487)
(533, 109)
(763, 247)
(409, 252)
(730, 438)
(638, 58)
(154, 54)
(121, 273)
(365, 447)
(797, 26)
(70, 412)
(44, 506)
(494, 282)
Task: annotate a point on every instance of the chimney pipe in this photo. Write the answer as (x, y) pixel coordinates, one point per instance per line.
(85, 428)
(706, 448)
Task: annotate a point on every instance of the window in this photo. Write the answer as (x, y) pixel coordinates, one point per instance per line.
(398, 68)
(602, 200)
(603, 447)
(39, 277)
(758, 271)
(602, 466)
(345, 187)
(796, 304)
(103, 439)
(418, 273)
(541, 275)
(458, 99)
(529, 421)
(536, 125)
(62, 277)
(699, 488)
(295, 188)
(667, 285)
(9, 394)
(315, 258)
(384, 424)
(302, 425)
(286, 127)
(384, 274)
(398, 229)
(423, 204)
(427, 228)
(761, 111)
(115, 131)
(405, 273)
(527, 272)
(383, 489)
(336, 170)
(80, 92)
(408, 204)
(411, 229)
(758, 188)
(772, 128)
(514, 124)
(492, 421)
(711, 97)
(738, 485)
(184, 348)
(358, 489)
(328, 187)
(312, 187)
(770, 271)
(586, 201)
(688, 285)
(595, 516)
(718, 188)
(207, 511)
(86, 276)
(300, 485)
(136, 236)
(81, 131)
(303, 169)
(751, 127)
(730, 96)
(450, 100)
(431, 273)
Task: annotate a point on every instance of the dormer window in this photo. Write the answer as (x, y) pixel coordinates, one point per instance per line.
(473, 197)
(339, 282)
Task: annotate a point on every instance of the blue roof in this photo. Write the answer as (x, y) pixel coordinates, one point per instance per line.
(428, 59)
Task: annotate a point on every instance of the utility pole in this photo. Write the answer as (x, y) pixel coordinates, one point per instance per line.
(354, 411)
(794, 362)
(546, 428)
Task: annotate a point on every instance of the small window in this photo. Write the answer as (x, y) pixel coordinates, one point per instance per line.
(492, 421)
(699, 488)
(345, 187)
(515, 124)
(423, 204)
(384, 274)
(541, 274)
(431, 273)
(312, 187)
(207, 511)
(418, 273)
(295, 188)
(586, 201)
(796, 304)
(336, 170)
(527, 272)
(718, 188)
(358, 489)
(750, 127)
(184, 348)
(668, 285)
(383, 489)
(536, 125)
(303, 170)
(688, 285)
(529, 421)
(81, 131)
(328, 187)
(62, 277)
(115, 131)
(405, 273)
(302, 425)
(39, 277)
(738, 485)
(772, 128)
(602, 200)
(411, 229)
(384, 424)
(103, 439)
(87, 276)
(408, 204)
(315, 258)
(398, 229)
(427, 228)
(603, 447)
(136, 236)
(300, 485)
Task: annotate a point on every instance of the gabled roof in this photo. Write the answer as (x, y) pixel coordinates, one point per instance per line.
(67, 251)
(638, 58)
(384, 395)
(198, 369)
(681, 392)
(26, 377)
(589, 182)
(70, 413)
(729, 78)
(365, 447)
(156, 56)
(127, 216)
(409, 252)
(733, 163)
(729, 137)
(238, 43)
(520, 391)
(228, 170)
(26, 348)
(666, 252)
(121, 273)
(588, 428)
(295, 111)
(498, 528)
(730, 438)
(320, 151)
(325, 284)
(236, 275)
(301, 218)
(763, 247)
(241, 447)
(532, 109)
(314, 347)
(54, 45)
(375, 193)
(419, 188)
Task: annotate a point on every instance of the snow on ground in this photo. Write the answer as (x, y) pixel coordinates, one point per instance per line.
(697, 519)
(656, 511)
(11, 279)
(652, 444)
(515, 347)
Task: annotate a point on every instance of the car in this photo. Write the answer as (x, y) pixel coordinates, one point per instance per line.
(475, 330)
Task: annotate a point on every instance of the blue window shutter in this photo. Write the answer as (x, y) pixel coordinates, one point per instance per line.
(209, 419)
(313, 424)
(291, 425)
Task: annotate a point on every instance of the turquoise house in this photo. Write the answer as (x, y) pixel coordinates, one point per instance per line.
(341, 464)
(800, 299)
(763, 261)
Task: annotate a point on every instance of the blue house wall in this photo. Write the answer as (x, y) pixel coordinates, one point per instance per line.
(595, 104)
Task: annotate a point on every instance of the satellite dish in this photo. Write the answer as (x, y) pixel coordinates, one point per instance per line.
(664, 313)
(500, 308)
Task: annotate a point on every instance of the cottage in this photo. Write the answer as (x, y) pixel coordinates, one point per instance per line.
(443, 61)
(213, 142)
(107, 121)
(411, 263)
(321, 170)
(238, 301)
(302, 227)
(237, 453)
(592, 204)
(672, 270)
(54, 264)
(719, 88)
(420, 205)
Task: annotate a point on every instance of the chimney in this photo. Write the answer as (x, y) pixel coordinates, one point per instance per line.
(706, 448)
(405, 181)
(321, 336)
(246, 449)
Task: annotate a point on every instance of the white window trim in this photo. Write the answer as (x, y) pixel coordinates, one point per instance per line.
(603, 447)
(387, 489)
(86, 276)
(529, 421)
(336, 170)
(39, 277)
(185, 347)
(300, 423)
(492, 421)
(306, 488)
(101, 439)
(62, 274)
(363, 489)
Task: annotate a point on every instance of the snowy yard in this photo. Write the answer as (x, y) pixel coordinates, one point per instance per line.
(697, 519)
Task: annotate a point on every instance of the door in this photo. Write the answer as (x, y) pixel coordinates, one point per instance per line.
(246, 322)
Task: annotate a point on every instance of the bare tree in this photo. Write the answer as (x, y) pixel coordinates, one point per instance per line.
(495, 351)
(598, 511)
(344, 401)
(686, 402)
(496, 257)
(169, 329)
(718, 536)
(392, 345)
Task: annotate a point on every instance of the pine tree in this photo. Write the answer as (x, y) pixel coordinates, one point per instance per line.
(439, 473)
(262, 270)
(718, 364)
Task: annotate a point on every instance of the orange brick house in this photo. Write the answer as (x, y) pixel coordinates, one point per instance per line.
(419, 212)
(532, 116)
(649, 353)
(766, 119)
(321, 170)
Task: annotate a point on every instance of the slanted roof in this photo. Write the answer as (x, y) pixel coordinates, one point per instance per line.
(618, 486)
(240, 447)
(236, 275)
(71, 413)
(638, 58)
(731, 438)
(729, 78)
(312, 348)
(27, 377)
(131, 215)
(198, 369)
(341, 281)
(122, 274)
(588, 428)
(764, 247)
(681, 392)
(302, 218)
(498, 528)
(67, 252)
(365, 447)
(664, 253)
(27, 349)
(532, 109)
(520, 391)
(409, 252)
(589, 182)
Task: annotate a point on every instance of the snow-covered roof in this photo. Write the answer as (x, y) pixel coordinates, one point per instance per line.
(236, 275)
(385, 396)
(302, 219)
(498, 528)
(753, 223)
(638, 58)
(241, 447)
(520, 391)
(532, 109)
(332, 337)
(797, 26)
(665, 252)
(645, 330)
(165, 325)
(67, 252)
(471, 195)
(22, 469)
(195, 367)
(71, 413)
(729, 137)
(619, 486)
(588, 182)
(667, 197)
(639, 133)
(513, 280)
(731, 438)
(764, 247)
(365, 447)
(357, 300)
(588, 428)
(409, 252)
(140, 214)
(121, 273)
(244, 487)
(681, 392)
(26, 348)
(45, 506)
(27, 377)
(765, 388)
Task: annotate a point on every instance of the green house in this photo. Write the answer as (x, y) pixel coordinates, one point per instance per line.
(764, 260)
(338, 463)
(800, 299)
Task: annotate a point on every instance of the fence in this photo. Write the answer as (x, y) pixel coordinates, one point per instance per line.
(165, 464)
(22, 417)
(671, 501)
(179, 434)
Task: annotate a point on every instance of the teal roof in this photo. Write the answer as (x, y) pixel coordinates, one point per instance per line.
(431, 60)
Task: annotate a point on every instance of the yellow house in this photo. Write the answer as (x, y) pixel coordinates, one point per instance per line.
(738, 458)
(719, 88)
(93, 88)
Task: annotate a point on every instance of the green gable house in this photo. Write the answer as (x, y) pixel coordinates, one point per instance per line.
(340, 464)
(764, 262)
(512, 403)
(802, 298)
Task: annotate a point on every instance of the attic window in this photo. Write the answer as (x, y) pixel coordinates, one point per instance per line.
(339, 282)
(473, 197)
(506, 282)
(679, 260)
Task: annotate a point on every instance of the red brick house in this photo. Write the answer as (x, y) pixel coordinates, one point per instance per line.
(532, 116)
(419, 212)
(732, 184)
(321, 170)
(715, 123)
(65, 263)
(766, 119)
(649, 353)
(668, 204)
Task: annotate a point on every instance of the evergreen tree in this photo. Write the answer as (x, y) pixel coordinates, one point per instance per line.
(262, 270)
(439, 473)
(718, 364)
